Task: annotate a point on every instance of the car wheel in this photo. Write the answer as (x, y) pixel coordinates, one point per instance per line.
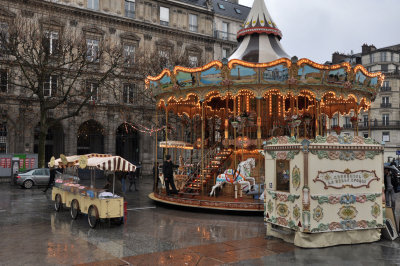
(58, 203)
(93, 216)
(74, 209)
(28, 184)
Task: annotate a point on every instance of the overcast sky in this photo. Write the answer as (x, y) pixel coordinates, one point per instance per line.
(316, 28)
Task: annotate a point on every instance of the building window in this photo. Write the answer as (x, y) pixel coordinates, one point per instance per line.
(386, 136)
(50, 86)
(92, 54)
(224, 33)
(384, 68)
(385, 119)
(371, 58)
(385, 99)
(3, 80)
(365, 134)
(383, 57)
(237, 10)
(221, 6)
(50, 42)
(193, 61)
(92, 90)
(334, 121)
(365, 120)
(193, 22)
(225, 53)
(130, 8)
(129, 93)
(3, 36)
(3, 138)
(93, 4)
(164, 58)
(129, 55)
(164, 16)
(386, 84)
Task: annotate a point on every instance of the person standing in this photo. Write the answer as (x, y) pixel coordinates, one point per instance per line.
(132, 180)
(389, 189)
(51, 179)
(168, 171)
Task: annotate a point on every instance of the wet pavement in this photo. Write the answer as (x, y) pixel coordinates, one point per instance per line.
(32, 233)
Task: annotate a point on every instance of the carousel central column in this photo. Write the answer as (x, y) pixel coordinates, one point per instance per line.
(226, 122)
(258, 123)
(234, 130)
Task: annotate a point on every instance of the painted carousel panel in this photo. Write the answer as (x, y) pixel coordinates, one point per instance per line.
(337, 76)
(310, 75)
(244, 75)
(279, 73)
(186, 80)
(209, 77)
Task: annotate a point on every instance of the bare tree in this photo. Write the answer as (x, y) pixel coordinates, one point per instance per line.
(49, 67)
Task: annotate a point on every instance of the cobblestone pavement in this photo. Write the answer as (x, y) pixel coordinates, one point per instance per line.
(32, 233)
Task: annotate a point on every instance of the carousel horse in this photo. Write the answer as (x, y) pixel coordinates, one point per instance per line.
(241, 176)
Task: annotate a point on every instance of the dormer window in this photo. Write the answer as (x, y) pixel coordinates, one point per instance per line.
(238, 10)
(221, 6)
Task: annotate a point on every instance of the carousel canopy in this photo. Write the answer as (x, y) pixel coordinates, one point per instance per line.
(259, 37)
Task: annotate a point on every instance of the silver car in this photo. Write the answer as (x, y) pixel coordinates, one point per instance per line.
(33, 177)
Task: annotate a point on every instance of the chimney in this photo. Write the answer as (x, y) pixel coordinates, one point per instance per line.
(365, 49)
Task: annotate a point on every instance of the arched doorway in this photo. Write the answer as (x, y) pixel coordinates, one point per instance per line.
(90, 138)
(127, 143)
(54, 141)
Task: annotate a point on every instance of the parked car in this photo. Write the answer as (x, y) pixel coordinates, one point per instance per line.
(33, 177)
(395, 177)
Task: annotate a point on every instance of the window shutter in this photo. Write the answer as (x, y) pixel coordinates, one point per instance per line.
(3, 80)
(55, 47)
(46, 43)
(125, 94)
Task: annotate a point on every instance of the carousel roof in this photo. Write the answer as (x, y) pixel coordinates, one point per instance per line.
(259, 37)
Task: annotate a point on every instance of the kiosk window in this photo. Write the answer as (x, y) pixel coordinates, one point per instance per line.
(282, 175)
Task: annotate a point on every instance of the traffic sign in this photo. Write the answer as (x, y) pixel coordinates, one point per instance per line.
(398, 152)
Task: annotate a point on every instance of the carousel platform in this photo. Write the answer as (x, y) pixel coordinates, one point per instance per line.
(244, 204)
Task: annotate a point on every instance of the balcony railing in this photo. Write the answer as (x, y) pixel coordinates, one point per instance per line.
(386, 88)
(347, 126)
(193, 28)
(222, 35)
(164, 23)
(380, 124)
(386, 105)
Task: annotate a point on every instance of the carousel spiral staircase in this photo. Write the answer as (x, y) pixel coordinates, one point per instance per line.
(214, 160)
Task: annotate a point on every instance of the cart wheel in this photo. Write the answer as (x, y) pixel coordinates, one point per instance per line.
(93, 216)
(58, 203)
(74, 209)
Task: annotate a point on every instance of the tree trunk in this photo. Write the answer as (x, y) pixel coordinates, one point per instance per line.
(42, 142)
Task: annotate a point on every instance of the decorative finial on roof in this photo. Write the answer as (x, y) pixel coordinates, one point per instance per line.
(259, 21)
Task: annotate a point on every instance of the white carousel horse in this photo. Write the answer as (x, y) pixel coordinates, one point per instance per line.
(241, 176)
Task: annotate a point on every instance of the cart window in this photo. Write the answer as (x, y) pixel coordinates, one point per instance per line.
(282, 175)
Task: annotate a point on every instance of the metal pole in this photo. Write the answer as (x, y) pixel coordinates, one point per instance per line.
(156, 156)
(369, 122)
(166, 130)
(113, 182)
(202, 147)
(234, 130)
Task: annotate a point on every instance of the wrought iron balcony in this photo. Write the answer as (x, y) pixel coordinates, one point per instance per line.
(222, 35)
(386, 88)
(380, 124)
(386, 105)
(193, 28)
(347, 126)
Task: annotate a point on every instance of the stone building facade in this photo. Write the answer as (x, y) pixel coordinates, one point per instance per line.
(383, 121)
(187, 27)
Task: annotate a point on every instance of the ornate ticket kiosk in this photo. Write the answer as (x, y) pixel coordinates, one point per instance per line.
(324, 192)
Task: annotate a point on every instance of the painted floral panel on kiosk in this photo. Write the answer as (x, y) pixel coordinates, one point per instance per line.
(282, 175)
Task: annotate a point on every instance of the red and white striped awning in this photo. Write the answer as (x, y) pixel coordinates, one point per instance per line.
(105, 162)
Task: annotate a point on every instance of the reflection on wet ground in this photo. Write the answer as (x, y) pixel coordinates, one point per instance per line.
(32, 233)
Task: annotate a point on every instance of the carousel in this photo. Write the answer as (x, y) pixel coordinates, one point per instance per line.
(239, 126)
